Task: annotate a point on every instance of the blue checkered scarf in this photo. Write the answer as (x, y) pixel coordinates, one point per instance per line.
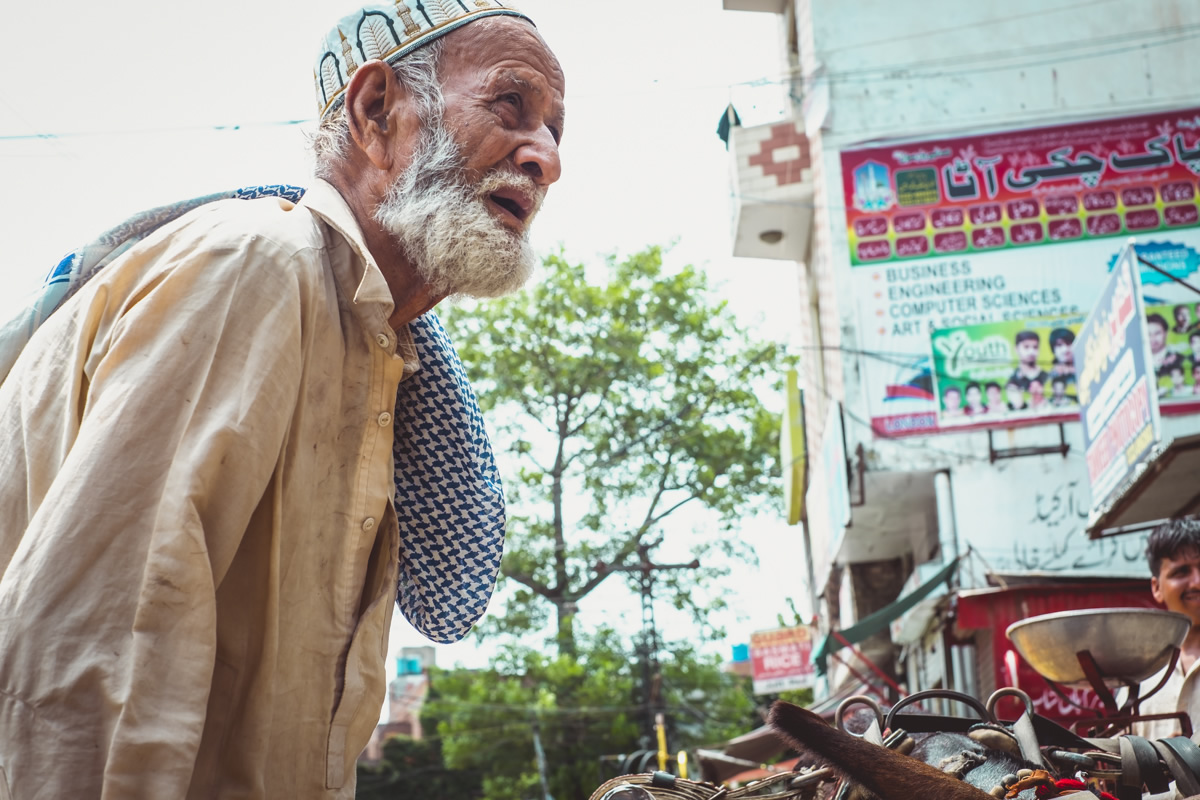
(449, 499)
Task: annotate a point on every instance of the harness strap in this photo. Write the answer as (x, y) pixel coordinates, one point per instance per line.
(1184, 762)
(1144, 762)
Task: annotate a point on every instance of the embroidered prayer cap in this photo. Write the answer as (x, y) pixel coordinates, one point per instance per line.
(390, 31)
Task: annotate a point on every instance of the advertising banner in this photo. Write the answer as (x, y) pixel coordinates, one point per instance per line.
(793, 453)
(782, 659)
(1118, 384)
(1005, 227)
(999, 373)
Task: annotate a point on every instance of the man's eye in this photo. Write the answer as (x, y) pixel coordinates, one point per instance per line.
(512, 98)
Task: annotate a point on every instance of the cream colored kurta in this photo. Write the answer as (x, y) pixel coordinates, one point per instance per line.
(1178, 694)
(197, 543)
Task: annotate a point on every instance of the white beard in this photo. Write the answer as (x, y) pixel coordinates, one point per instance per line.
(445, 227)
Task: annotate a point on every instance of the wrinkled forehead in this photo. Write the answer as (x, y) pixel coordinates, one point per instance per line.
(503, 43)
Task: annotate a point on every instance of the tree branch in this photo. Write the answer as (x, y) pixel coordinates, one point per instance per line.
(529, 581)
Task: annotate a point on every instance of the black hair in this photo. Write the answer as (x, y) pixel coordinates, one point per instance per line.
(1061, 335)
(950, 389)
(1025, 336)
(1170, 539)
(1159, 319)
(990, 384)
(972, 385)
(1058, 379)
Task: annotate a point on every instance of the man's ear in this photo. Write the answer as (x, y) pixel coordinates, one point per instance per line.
(1156, 591)
(375, 113)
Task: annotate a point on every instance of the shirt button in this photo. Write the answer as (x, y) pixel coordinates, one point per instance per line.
(382, 340)
(385, 419)
(369, 523)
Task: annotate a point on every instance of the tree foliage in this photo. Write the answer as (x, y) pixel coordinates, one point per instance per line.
(414, 768)
(621, 403)
(581, 708)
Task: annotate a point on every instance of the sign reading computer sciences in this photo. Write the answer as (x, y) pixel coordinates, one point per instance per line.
(782, 659)
(1117, 382)
(1004, 227)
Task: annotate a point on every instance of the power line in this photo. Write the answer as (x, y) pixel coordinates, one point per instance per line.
(860, 75)
(981, 58)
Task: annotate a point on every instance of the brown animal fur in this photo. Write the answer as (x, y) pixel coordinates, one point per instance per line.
(889, 775)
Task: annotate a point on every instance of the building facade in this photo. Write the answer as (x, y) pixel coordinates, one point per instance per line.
(954, 184)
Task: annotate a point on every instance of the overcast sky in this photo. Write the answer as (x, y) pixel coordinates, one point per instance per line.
(110, 108)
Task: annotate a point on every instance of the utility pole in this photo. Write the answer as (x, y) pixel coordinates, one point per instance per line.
(648, 641)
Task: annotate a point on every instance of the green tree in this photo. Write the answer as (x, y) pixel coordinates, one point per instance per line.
(634, 398)
(581, 708)
(414, 768)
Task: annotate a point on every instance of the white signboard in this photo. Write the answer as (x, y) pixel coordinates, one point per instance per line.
(828, 497)
(1029, 516)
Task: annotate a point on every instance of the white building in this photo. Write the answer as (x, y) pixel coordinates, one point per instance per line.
(967, 168)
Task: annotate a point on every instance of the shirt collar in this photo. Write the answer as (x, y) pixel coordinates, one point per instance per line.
(372, 303)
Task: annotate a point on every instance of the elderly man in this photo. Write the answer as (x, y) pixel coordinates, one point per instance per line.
(207, 504)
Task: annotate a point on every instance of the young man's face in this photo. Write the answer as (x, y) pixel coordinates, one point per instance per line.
(974, 398)
(1158, 337)
(1062, 352)
(994, 395)
(1027, 352)
(1177, 585)
(952, 400)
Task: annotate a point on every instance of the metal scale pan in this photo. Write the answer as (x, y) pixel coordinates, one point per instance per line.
(1104, 648)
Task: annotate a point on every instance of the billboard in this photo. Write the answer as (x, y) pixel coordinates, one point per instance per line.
(1118, 381)
(999, 373)
(782, 659)
(1004, 227)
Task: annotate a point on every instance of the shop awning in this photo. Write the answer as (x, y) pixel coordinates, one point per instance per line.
(874, 623)
(1165, 489)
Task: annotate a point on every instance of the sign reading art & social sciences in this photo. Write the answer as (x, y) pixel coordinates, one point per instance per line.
(1008, 226)
(1117, 382)
(782, 659)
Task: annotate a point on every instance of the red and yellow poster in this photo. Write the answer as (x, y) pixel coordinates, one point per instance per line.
(1007, 226)
(1067, 183)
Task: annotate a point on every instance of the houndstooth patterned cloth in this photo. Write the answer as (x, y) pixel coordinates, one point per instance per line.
(449, 499)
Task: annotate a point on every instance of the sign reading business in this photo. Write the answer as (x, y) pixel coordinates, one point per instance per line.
(782, 659)
(1007, 226)
(1117, 382)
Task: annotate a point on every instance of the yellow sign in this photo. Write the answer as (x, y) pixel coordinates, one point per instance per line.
(793, 453)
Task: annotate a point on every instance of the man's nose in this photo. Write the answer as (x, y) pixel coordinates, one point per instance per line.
(538, 158)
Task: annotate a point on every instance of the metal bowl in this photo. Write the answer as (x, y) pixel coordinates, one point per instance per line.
(1128, 644)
